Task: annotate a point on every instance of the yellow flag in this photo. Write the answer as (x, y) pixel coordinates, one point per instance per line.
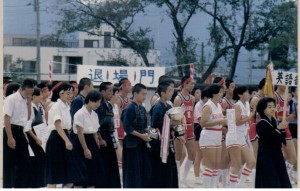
(269, 88)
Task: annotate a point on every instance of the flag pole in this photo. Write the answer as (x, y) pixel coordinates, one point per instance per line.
(286, 92)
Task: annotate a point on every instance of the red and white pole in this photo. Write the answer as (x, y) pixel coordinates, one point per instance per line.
(50, 71)
(192, 70)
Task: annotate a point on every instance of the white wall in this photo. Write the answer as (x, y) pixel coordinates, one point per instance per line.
(90, 57)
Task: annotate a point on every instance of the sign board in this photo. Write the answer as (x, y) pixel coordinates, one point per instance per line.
(43, 133)
(98, 74)
(285, 78)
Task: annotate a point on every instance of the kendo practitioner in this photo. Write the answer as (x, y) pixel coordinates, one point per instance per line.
(136, 161)
(106, 130)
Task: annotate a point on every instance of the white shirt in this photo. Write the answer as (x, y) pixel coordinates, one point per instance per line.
(88, 121)
(15, 106)
(59, 111)
(216, 113)
(198, 111)
(245, 112)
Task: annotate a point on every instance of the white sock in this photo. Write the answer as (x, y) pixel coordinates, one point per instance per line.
(178, 169)
(233, 180)
(224, 177)
(207, 177)
(289, 168)
(187, 164)
(245, 174)
(214, 179)
(253, 174)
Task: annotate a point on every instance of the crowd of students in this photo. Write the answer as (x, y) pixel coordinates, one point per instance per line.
(100, 138)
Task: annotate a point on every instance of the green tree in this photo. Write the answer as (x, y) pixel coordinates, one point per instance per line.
(242, 23)
(180, 12)
(89, 15)
(284, 45)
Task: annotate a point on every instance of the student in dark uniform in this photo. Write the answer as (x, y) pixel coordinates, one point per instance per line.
(271, 171)
(84, 87)
(63, 166)
(136, 161)
(164, 175)
(164, 78)
(85, 125)
(38, 161)
(108, 153)
(15, 145)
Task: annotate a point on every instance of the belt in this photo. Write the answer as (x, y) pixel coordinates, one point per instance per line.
(17, 126)
(212, 129)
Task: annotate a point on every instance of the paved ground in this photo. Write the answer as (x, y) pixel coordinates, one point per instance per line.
(191, 183)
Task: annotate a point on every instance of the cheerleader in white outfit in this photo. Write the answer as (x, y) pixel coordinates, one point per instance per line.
(237, 146)
(212, 121)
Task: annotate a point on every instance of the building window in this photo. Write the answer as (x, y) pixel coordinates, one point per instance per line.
(23, 42)
(71, 66)
(56, 66)
(91, 43)
(28, 66)
(107, 39)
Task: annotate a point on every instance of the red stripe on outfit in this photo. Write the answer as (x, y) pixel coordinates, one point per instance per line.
(208, 170)
(248, 170)
(212, 129)
(206, 174)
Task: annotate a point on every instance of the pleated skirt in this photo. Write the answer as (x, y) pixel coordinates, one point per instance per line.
(111, 168)
(37, 175)
(63, 166)
(95, 168)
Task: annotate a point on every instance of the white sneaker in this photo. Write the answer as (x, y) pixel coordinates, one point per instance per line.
(249, 179)
(198, 180)
(183, 184)
(295, 176)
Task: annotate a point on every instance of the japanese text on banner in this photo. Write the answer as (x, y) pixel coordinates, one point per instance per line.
(145, 75)
(285, 78)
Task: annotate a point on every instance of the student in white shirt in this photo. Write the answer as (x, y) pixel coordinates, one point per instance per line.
(15, 148)
(63, 167)
(85, 125)
(38, 161)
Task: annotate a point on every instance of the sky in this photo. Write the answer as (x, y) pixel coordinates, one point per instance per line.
(20, 18)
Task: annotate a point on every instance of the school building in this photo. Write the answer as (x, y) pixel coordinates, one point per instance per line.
(20, 54)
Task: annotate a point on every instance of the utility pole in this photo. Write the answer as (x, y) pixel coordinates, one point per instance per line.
(38, 40)
(250, 67)
(202, 60)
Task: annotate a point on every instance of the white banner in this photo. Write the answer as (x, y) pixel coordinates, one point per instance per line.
(231, 133)
(285, 78)
(98, 74)
(43, 133)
